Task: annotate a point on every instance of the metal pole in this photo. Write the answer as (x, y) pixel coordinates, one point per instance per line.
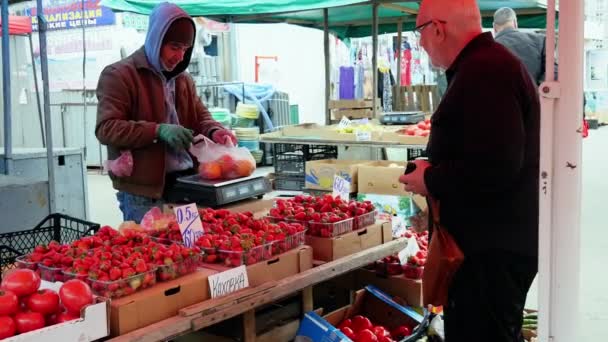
(399, 52)
(40, 118)
(327, 65)
(6, 91)
(44, 70)
(375, 58)
(84, 85)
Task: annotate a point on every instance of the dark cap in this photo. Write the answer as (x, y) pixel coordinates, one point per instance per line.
(180, 31)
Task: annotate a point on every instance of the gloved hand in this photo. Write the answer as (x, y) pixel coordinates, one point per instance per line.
(176, 136)
(220, 136)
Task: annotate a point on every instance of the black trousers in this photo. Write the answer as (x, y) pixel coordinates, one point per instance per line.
(487, 296)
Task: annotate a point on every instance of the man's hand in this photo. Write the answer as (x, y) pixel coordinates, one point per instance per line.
(221, 136)
(414, 182)
(176, 136)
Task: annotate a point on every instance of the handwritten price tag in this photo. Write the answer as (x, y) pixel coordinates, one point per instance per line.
(224, 283)
(411, 249)
(341, 188)
(363, 136)
(345, 122)
(189, 223)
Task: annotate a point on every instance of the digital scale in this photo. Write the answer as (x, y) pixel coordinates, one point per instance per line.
(193, 189)
(401, 118)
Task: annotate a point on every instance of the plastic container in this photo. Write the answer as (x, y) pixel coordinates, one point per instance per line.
(69, 276)
(413, 272)
(289, 243)
(364, 220)
(388, 269)
(250, 257)
(273, 219)
(124, 287)
(210, 255)
(330, 229)
(178, 269)
(290, 159)
(61, 228)
(22, 262)
(51, 274)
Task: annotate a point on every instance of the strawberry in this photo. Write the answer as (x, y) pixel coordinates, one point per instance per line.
(115, 273)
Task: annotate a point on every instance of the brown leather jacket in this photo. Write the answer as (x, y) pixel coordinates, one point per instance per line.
(131, 105)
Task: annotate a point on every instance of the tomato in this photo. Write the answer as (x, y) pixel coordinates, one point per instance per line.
(28, 321)
(7, 327)
(9, 303)
(411, 130)
(21, 281)
(421, 125)
(44, 301)
(401, 331)
(65, 317)
(348, 332)
(361, 323)
(75, 294)
(380, 331)
(366, 335)
(385, 339)
(424, 133)
(345, 323)
(427, 121)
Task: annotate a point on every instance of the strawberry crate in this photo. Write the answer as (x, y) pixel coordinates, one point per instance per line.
(22, 262)
(364, 220)
(331, 229)
(177, 269)
(249, 257)
(124, 287)
(70, 275)
(290, 242)
(273, 219)
(51, 274)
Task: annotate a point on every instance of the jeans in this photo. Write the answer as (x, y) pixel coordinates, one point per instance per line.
(134, 207)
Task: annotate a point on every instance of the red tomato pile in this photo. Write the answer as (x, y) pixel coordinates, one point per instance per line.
(320, 212)
(238, 238)
(225, 167)
(421, 129)
(360, 329)
(24, 307)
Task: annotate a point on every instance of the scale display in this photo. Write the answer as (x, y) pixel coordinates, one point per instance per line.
(401, 118)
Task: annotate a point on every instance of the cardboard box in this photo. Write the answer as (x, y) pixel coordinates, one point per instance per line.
(409, 290)
(159, 302)
(370, 302)
(279, 267)
(381, 177)
(320, 173)
(402, 206)
(91, 326)
(328, 249)
(259, 207)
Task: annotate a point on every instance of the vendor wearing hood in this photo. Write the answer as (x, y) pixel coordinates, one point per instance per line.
(149, 107)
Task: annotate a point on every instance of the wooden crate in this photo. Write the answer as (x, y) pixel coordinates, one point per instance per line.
(423, 98)
(353, 109)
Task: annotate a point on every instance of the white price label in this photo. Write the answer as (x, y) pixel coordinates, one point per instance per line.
(189, 222)
(398, 226)
(411, 249)
(363, 136)
(226, 282)
(345, 122)
(341, 188)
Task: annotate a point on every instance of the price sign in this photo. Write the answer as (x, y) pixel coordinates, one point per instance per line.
(341, 188)
(345, 122)
(226, 282)
(363, 136)
(411, 249)
(189, 223)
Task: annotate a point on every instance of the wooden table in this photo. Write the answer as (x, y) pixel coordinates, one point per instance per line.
(245, 302)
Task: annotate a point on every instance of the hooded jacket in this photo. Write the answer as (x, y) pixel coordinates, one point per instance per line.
(135, 95)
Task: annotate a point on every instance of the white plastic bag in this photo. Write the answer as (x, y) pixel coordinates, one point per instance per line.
(121, 166)
(221, 161)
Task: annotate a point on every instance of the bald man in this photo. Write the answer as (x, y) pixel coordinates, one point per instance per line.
(483, 169)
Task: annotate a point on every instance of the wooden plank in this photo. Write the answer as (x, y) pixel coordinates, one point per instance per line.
(204, 314)
(350, 104)
(435, 97)
(307, 299)
(302, 280)
(351, 113)
(410, 98)
(286, 332)
(249, 334)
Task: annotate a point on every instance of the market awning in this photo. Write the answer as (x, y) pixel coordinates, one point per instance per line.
(18, 25)
(347, 18)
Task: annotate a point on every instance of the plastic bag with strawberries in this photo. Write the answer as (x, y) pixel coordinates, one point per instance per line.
(121, 166)
(218, 161)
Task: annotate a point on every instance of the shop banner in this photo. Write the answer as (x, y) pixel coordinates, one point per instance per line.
(61, 15)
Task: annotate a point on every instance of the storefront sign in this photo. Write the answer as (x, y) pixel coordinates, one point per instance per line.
(67, 16)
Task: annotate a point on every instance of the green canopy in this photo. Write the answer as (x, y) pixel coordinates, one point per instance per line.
(347, 18)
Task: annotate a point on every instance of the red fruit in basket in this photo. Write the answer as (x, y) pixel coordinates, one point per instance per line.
(9, 303)
(301, 216)
(21, 282)
(140, 266)
(44, 301)
(348, 332)
(381, 331)
(115, 273)
(128, 272)
(75, 294)
(361, 323)
(345, 323)
(401, 332)
(8, 328)
(28, 321)
(366, 335)
(66, 317)
(385, 339)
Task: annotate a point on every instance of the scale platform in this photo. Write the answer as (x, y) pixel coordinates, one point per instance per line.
(193, 189)
(401, 118)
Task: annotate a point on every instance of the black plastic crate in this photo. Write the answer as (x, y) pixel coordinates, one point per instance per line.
(290, 159)
(55, 227)
(288, 182)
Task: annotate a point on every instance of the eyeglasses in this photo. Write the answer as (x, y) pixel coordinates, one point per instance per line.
(418, 29)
